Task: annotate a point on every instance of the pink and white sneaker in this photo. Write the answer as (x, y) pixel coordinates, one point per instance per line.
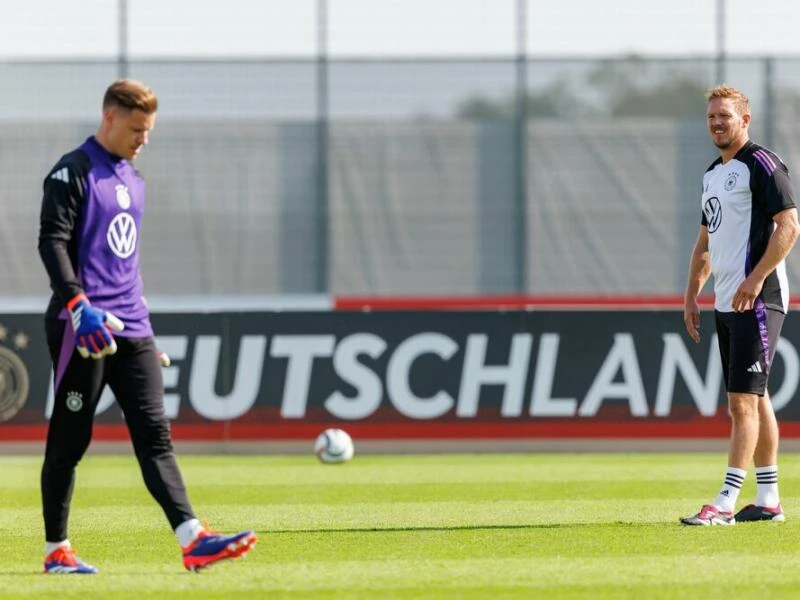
(710, 515)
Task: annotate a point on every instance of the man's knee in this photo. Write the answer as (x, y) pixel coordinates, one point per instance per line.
(743, 406)
(61, 461)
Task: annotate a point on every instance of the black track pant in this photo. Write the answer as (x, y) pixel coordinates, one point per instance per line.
(134, 375)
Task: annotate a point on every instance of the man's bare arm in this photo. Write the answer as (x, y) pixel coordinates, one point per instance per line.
(781, 242)
(699, 272)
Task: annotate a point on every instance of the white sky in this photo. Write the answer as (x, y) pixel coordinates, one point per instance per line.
(87, 28)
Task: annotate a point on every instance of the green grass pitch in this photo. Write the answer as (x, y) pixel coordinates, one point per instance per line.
(417, 526)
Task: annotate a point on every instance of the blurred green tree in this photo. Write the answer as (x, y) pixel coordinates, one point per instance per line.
(630, 86)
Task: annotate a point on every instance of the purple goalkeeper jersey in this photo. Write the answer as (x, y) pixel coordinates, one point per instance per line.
(89, 235)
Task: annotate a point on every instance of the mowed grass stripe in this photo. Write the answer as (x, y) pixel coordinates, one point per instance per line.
(379, 493)
(357, 531)
(535, 573)
(366, 543)
(122, 471)
(367, 516)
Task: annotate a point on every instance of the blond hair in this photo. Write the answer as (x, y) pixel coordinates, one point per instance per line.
(130, 94)
(741, 101)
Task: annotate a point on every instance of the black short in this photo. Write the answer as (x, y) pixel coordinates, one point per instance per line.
(747, 343)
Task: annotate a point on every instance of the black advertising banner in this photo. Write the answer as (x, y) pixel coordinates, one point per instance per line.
(405, 375)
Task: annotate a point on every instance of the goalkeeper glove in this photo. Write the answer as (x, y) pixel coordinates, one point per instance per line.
(91, 326)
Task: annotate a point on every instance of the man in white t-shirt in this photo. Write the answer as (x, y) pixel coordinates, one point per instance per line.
(749, 225)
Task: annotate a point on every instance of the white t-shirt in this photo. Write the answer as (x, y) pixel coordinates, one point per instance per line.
(739, 200)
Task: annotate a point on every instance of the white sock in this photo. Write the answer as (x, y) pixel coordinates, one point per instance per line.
(188, 531)
(767, 486)
(726, 499)
(50, 547)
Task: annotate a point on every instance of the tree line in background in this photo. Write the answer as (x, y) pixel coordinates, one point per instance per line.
(628, 87)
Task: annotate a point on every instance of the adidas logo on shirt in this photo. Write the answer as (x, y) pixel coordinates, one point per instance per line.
(755, 368)
(61, 175)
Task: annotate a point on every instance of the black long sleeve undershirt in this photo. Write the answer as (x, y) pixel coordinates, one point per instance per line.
(62, 202)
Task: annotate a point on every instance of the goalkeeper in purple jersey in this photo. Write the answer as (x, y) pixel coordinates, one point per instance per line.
(99, 332)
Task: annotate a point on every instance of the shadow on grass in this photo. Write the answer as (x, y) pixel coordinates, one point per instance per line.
(465, 527)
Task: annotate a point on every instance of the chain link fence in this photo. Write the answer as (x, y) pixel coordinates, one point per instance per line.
(423, 175)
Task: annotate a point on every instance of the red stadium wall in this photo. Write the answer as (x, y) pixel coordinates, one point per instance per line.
(460, 369)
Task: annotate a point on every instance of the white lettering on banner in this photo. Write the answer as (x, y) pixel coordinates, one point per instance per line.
(622, 355)
(791, 377)
(175, 346)
(301, 350)
(476, 373)
(676, 358)
(360, 385)
(369, 388)
(542, 402)
(246, 377)
(398, 382)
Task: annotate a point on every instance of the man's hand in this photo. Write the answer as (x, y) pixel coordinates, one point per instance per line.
(93, 328)
(691, 319)
(746, 294)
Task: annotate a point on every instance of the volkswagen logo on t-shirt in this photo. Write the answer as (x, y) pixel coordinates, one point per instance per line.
(713, 210)
(121, 235)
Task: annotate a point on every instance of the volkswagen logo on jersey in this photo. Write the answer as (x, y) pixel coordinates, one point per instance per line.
(713, 210)
(121, 235)
(123, 198)
(730, 182)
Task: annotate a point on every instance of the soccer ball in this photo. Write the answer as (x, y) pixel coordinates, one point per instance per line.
(334, 446)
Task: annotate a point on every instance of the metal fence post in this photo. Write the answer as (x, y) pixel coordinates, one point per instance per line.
(520, 154)
(322, 192)
(769, 102)
(122, 57)
(720, 42)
